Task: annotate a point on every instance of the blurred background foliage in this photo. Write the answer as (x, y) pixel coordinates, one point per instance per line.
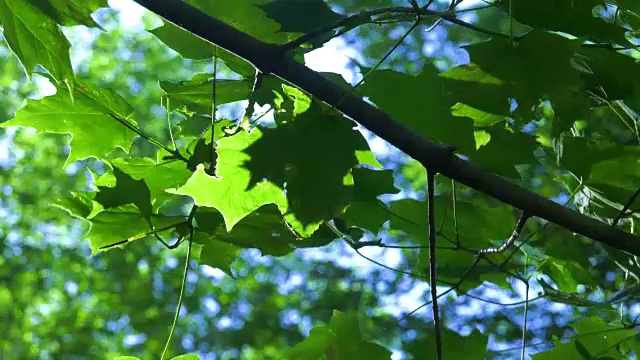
(59, 302)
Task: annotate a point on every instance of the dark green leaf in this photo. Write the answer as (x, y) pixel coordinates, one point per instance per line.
(119, 188)
(419, 103)
(215, 253)
(320, 162)
(572, 17)
(455, 346)
(505, 150)
(300, 15)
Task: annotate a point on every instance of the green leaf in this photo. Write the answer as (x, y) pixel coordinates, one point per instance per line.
(455, 346)
(263, 229)
(246, 16)
(629, 5)
(124, 223)
(595, 337)
(582, 350)
(569, 16)
(471, 229)
(366, 211)
(314, 346)
(35, 38)
(300, 15)
(195, 125)
(575, 299)
(71, 12)
(419, 103)
(478, 94)
(86, 117)
(527, 74)
(480, 118)
(505, 150)
(195, 95)
(125, 190)
(369, 184)
(349, 342)
(341, 339)
(568, 107)
(579, 156)
(566, 274)
(192, 47)
(231, 191)
(186, 357)
(622, 172)
(158, 177)
(215, 253)
(77, 204)
(609, 74)
(316, 151)
(367, 215)
(202, 149)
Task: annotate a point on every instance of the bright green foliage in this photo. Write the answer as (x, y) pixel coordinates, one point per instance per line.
(549, 98)
(156, 177)
(34, 36)
(86, 116)
(245, 15)
(124, 223)
(194, 96)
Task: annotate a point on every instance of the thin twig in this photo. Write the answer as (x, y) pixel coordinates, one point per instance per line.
(625, 208)
(168, 107)
(214, 105)
(148, 233)
(248, 111)
(512, 239)
(433, 264)
(180, 296)
(174, 153)
(398, 271)
(525, 321)
(365, 17)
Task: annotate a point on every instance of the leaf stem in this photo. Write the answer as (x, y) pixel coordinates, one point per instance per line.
(176, 154)
(180, 297)
(173, 140)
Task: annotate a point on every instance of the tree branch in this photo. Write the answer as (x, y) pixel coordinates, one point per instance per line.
(271, 58)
